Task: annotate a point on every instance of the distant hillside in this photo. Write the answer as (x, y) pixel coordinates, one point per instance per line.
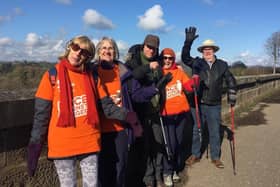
(21, 79)
(21, 76)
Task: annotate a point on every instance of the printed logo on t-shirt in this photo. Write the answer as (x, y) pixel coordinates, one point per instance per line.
(80, 105)
(174, 90)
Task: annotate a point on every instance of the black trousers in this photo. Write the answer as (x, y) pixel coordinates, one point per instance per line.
(113, 159)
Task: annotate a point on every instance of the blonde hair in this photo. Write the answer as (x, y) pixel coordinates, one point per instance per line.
(112, 42)
(81, 39)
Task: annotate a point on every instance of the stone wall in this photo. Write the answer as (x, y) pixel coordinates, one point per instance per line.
(16, 121)
(251, 89)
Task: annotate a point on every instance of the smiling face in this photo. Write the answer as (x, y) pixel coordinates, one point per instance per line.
(79, 50)
(168, 61)
(208, 54)
(106, 51)
(78, 54)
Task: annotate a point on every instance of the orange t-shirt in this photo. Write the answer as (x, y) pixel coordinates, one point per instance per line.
(70, 141)
(109, 84)
(176, 101)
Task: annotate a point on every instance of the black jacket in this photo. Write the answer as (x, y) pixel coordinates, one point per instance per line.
(211, 87)
(146, 77)
(140, 71)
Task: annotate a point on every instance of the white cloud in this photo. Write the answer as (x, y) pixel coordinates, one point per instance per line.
(123, 48)
(245, 54)
(122, 45)
(32, 39)
(33, 48)
(6, 41)
(65, 2)
(152, 19)
(58, 46)
(94, 19)
(42, 48)
(252, 59)
(95, 41)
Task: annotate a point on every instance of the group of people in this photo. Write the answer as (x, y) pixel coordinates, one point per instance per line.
(126, 120)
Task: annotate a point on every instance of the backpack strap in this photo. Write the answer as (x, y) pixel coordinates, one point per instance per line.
(52, 75)
(95, 73)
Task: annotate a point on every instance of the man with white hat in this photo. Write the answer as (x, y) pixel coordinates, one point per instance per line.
(212, 72)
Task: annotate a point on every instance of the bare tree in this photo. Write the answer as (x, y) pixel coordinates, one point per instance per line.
(273, 48)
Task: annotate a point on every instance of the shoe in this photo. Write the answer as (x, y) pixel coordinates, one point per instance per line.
(176, 178)
(168, 180)
(192, 160)
(218, 164)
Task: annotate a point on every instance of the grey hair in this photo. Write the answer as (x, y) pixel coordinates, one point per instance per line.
(112, 42)
(81, 39)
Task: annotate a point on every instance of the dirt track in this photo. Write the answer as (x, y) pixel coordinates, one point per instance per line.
(257, 153)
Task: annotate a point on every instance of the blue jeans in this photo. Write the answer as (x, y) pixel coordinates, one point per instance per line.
(211, 114)
(196, 143)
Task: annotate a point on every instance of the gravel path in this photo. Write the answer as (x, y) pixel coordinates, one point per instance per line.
(257, 154)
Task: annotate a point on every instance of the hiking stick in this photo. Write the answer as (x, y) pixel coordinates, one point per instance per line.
(169, 155)
(232, 142)
(207, 151)
(197, 114)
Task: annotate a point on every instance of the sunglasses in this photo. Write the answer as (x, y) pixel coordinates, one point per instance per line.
(168, 57)
(84, 52)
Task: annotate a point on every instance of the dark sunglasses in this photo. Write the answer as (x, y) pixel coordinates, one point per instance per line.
(84, 52)
(168, 57)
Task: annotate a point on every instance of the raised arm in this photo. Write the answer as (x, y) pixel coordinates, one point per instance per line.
(191, 35)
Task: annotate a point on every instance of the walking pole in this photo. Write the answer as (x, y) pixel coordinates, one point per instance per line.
(232, 142)
(169, 155)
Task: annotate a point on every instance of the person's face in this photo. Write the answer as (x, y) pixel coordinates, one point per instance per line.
(167, 61)
(107, 51)
(208, 54)
(149, 51)
(78, 54)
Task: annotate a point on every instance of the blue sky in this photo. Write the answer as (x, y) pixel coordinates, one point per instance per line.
(37, 30)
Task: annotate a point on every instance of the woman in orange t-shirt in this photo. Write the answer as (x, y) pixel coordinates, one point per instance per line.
(175, 113)
(117, 115)
(66, 113)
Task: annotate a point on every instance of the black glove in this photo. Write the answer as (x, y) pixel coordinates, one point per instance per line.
(190, 34)
(33, 154)
(164, 81)
(231, 97)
